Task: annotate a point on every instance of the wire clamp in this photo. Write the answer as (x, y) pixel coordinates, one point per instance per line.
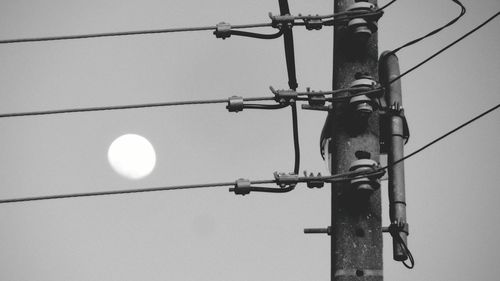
(397, 227)
(314, 181)
(282, 21)
(313, 22)
(284, 97)
(235, 104)
(222, 30)
(397, 110)
(241, 187)
(286, 180)
(316, 101)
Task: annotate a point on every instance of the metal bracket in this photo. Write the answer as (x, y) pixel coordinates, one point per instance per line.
(235, 104)
(241, 187)
(286, 180)
(397, 227)
(397, 110)
(327, 230)
(313, 22)
(282, 21)
(393, 110)
(316, 102)
(223, 30)
(313, 182)
(284, 97)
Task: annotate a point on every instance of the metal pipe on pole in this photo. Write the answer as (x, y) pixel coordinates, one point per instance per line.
(396, 137)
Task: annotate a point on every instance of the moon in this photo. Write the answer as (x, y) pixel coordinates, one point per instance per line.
(132, 156)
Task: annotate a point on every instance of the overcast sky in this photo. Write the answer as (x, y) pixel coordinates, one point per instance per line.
(211, 234)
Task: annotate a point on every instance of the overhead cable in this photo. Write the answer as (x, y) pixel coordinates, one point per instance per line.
(333, 178)
(127, 33)
(121, 107)
(445, 48)
(114, 192)
(386, 5)
(435, 31)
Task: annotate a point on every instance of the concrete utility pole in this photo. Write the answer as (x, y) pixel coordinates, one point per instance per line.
(356, 230)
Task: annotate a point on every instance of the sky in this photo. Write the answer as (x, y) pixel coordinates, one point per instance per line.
(212, 234)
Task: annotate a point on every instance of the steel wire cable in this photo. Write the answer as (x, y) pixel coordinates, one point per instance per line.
(122, 107)
(333, 178)
(126, 33)
(48, 112)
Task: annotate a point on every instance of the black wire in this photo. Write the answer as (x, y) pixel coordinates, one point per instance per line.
(296, 145)
(386, 5)
(257, 35)
(400, 240)
(126, 33)
(264, 106)
(462, 13)
(445, 48)
(443, 136)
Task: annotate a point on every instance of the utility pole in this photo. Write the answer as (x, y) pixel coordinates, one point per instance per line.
(356, 226)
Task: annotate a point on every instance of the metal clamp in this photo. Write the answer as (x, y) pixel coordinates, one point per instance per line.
(316, 102)
(282, 21)
(313, 22)
(241, 187)
(287, 183)
(286, 180)
(223, 30)
(397, 227)
(313, 181)
(398, 110)
(235, 104)
(284, 97)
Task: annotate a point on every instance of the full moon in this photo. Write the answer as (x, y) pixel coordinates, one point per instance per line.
(132, 156)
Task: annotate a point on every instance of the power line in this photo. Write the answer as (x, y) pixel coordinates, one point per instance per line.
(386, 5)
(435, 31)
(458, 128)
(445, 48)
(339, 177)
(122, 107)
(127, 33)
(49, 112)
(283, 8)
(115, 192)
(376, 172)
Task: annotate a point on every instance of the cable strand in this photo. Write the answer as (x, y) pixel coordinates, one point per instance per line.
(435, 31)
(445, 48)
(126, 33)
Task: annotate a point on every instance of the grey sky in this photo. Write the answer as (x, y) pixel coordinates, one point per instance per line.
(211, 234)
